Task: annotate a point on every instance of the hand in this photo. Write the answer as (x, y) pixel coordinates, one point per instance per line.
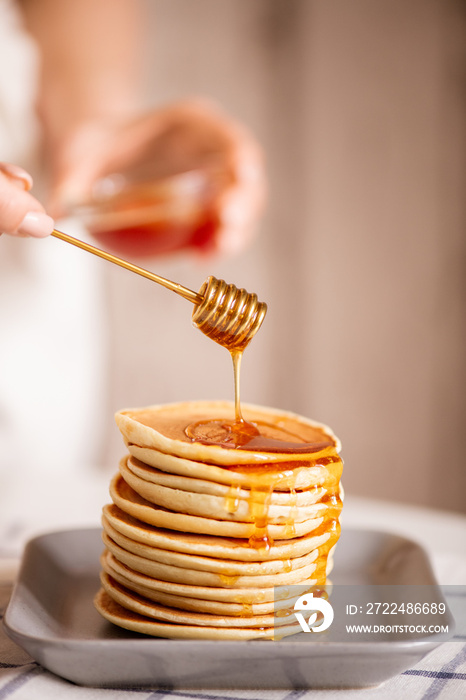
(20, 213)
(183, 136)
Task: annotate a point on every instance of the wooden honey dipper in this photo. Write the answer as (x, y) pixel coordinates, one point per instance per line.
(224, 313)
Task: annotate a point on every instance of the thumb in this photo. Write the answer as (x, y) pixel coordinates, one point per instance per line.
(20, 213)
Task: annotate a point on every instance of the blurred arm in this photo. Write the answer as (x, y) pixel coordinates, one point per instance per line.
(89, 53)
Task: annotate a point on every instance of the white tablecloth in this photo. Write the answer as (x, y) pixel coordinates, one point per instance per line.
(441, 674)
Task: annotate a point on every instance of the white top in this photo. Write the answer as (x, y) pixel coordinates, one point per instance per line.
(51, 314)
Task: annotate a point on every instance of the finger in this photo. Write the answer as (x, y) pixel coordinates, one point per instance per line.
(237, 224)
(80, 161)
(17, 175)
(239, 207)
(20, 213)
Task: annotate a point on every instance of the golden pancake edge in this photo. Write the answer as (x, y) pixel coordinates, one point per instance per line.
(210, 541)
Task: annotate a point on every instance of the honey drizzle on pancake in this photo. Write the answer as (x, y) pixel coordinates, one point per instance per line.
(330, 523)
(228, 577)
(232, 499)
(243, 435)
(247, 610)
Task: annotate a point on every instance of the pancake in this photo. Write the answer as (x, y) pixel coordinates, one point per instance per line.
(128, 577)
(207, 545)
(163, 428)
(282, 476)
(137, 603)
(219, 507)
(218, 566)
(118, 615)
(208, 606)
(196, 577)
(131, 502)
(215, 525)
(232, 492)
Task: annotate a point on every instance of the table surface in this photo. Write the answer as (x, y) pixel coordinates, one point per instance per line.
(440, 674)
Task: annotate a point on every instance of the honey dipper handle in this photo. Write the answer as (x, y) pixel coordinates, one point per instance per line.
(174, 286)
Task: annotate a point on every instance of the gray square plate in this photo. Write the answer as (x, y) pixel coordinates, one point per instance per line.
(51, 616)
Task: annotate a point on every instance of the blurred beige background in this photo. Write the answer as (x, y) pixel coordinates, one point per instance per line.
(361, 109)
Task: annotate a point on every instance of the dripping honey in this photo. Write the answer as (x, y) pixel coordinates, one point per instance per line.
(239, 434)
(243, 435)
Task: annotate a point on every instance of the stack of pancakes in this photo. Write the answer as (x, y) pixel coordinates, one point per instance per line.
(203, 540)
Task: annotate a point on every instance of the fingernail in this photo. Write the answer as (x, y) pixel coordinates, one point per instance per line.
(17, 173)
(36, 224)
